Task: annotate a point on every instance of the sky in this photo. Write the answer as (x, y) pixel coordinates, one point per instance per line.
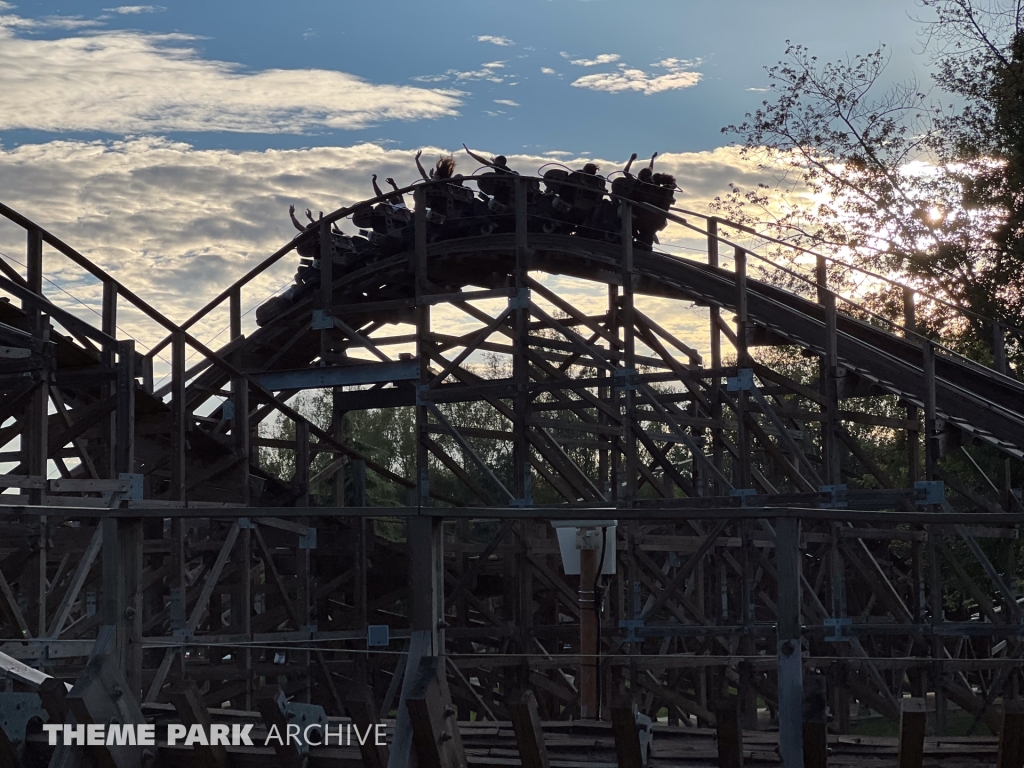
(165, 142)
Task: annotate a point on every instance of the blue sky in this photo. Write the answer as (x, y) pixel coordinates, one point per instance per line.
(724, 44)
(167, 141)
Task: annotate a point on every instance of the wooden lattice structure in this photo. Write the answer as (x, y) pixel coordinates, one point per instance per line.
(762, 548)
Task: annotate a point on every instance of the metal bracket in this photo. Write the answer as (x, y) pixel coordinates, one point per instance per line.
(929, 492)
(304, 716)
(227, 411)
(520, 503)
(742, 381)
(743, 494)
(245, 523)
(421, 389)
(628, 379)
(839, 497)
(631, 626)
(521, 299)
(378, 635)
(645, 732)
(16, 711)
(135, 481)
(840, 630)
(321, 320)
(307, 540)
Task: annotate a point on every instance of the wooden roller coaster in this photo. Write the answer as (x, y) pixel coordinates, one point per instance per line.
(767, 572)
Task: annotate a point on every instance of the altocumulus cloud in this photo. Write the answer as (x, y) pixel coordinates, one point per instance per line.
(177, 224)
(131, 82)
(678, 73)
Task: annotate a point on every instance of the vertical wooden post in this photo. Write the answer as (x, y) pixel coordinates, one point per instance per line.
(1011, 737)
(729, 734)
(815, 722)
(742, 314)
(931, 457)
(791, 695)
(913, 719)
(426, 551)
(520, 364)
(529, 735)
(589, 570)
(742, 473)
(108, 359)
(235, 312)
(303, 566)
(179, 417)
(629, 353)
(627, 738)
(828, 372)
(716, 362)
(34, 443)
(931, 453)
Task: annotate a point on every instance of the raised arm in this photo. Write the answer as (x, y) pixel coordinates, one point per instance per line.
(651, 166)
(419, 166)
(295, 222)
(477, 157)
(396, 199)
(376, 190)
(629, 164)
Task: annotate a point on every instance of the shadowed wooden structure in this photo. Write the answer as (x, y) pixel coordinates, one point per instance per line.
(759, 537)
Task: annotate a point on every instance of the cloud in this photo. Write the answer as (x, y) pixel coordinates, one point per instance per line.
(136, 9)
(625, 78)
(637, 80)
(759, 90)
(495, 40)
(506, 102)
(46, 22)
(547, 71)
(486, 72)
(130, 82)
(177, 224)
(604, 58)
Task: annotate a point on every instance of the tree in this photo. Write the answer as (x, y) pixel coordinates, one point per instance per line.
(900, 183)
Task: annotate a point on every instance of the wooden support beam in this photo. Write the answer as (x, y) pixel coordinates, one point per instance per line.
(268, 703)
(913, 720)
(533, 753)
(363, 710)
(627, 738)
(189, 704)
(1011, 736)
(435, 728)
(728, 734)
(101, 695)
(815, 721)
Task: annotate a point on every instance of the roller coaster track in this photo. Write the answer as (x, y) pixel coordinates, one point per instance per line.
(600, 414)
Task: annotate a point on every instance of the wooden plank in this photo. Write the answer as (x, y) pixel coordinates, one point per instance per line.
(533, 752)
(913, 719)
(185, 696)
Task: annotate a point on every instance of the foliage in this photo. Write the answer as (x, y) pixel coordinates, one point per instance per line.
(900, 183)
